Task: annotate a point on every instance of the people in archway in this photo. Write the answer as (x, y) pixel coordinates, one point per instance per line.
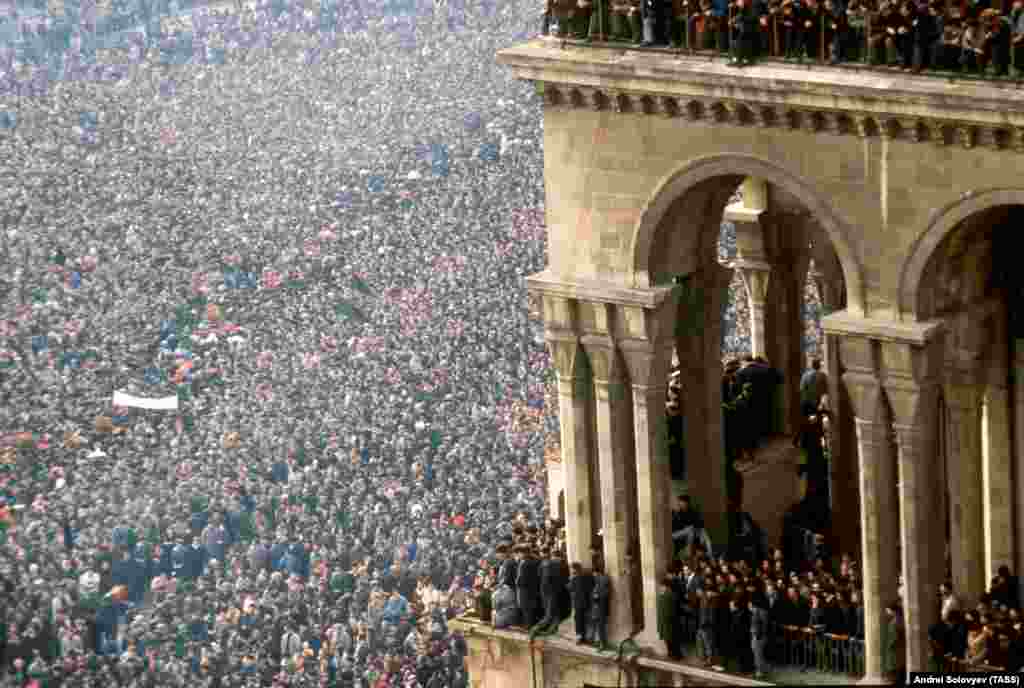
(676, 426)
(759, 418)
(813, 386)
(810, 440)
(735, 405)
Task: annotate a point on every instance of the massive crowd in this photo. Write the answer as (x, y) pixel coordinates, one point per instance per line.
(296, 256)
(272, 392)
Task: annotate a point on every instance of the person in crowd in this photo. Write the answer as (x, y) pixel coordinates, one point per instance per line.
(581, 588)
(668, 619)
(760, 628)
(896, 647)
(813, 386)
(600, 599)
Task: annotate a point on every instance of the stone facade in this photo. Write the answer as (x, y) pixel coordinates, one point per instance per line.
(891, 186)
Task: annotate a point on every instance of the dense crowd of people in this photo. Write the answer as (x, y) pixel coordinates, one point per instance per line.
(272, 395)
(296, 255)
(975, 36)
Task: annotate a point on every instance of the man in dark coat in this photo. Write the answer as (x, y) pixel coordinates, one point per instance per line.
(552, 591)
(507, 568)
(528, 586)
(580, 588)
(598, 617)
(746, 27)
(654, 13)
(668, 620)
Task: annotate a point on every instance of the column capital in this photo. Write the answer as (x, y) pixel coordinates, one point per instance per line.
(868, 432)
(605, 359)
(963, 392)
(865, 392)
(648, 362)
(755, 275)
(911, 377)
(565, 353)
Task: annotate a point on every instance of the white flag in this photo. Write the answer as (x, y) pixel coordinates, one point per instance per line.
(162, 404)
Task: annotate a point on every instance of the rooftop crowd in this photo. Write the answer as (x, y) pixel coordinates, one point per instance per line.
(979, 37)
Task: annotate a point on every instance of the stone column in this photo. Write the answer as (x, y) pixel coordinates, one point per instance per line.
(910, 382)
(614, 427)
(963, 404)
(699, 347)
(751, 261)
(878, 501)
(648, 368)
(755, 276)
(997, 476)
(577, 447)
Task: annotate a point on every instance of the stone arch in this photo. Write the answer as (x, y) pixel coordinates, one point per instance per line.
(700, 171)
(940, 225)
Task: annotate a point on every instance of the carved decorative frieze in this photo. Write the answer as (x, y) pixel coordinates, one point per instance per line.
(718, 111)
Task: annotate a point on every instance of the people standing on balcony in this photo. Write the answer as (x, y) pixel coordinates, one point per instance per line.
(1017, 35)
(528, 586)
(679, 34)
(599, 608)
(747, 30)
(949, 48)
(668, 620)
(626, 21)
(996, 43)
(792, 20)
(581, 588)
(972, 45)
(836, 31)
(580, 24)
(811, 27)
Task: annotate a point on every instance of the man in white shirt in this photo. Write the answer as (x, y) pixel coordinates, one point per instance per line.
(950, 602)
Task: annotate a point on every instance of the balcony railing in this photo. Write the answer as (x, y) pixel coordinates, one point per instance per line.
(994, 57)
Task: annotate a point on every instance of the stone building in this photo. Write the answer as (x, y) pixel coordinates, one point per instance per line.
(905, 191)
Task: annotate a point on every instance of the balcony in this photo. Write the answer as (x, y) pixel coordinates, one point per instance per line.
(998, 58)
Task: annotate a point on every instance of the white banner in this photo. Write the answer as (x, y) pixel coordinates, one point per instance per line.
(162, 404)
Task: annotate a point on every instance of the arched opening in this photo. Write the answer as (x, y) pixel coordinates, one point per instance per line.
(683, 229)
(970, 280)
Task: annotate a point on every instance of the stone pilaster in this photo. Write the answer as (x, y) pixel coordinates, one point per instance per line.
(648, 367)
(963, 443)
(615, 449)
(879, 506)
(911, 383)
(574, 386)
(751, 261)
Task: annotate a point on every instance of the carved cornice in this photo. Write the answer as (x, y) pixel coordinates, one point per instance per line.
(718, 112)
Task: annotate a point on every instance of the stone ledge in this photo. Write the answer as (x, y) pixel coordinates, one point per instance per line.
(566, 646)
(844, 323)
(821, 87)
(596, 291)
